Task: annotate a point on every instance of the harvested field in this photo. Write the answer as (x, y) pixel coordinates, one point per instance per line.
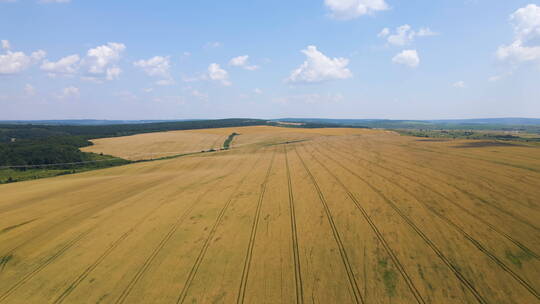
(286, 216)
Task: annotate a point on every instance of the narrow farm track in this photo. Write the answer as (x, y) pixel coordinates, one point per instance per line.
(48, 261)
(299, 292)
(253, 236)
(350, 273)
(287, 215)
(200, 257)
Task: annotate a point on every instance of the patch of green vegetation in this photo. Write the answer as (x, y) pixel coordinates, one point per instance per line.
(4, 260)
(228, 141)
(389, 277)
(518, 258)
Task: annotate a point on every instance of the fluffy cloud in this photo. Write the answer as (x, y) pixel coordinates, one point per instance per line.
(404, 34)
(257, 91)
(157, 66)
(517, 52)
(407, 57)
(319, 68)
(526, 23)
(350, 9)
(216, 73)
(459, 84)
(242, 61)
(101, 61)
(66, 66)
(16, 62)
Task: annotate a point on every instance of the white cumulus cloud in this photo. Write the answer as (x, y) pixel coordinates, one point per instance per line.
(16, 62)
(526, 23)
(517, 52)
(404, 34)
(407, 57)
(67, 65)
(101, 61)
(350, 9)
(319, 68)
(242, 61)
(216, 73)
(157, 66)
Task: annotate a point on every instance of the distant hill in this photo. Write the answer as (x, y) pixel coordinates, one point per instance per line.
(497, 121)
(502, 124)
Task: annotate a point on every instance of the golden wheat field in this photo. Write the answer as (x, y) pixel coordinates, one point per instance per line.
(286, 216)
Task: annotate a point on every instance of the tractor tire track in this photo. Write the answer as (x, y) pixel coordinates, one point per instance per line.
(483, 177)
(477, 198)
(249, 253)
(69, 217)
(382, 240)
(474, 242)
(433, 247)
(463, 209)
(82, 212)
(345, 259)
(58, 253)
(445, 154)
(48, 261)
(294, 233)
(116, 243)
(148, 262)
(195, 268)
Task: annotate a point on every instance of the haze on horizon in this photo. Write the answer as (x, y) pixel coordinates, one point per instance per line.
(73, 59)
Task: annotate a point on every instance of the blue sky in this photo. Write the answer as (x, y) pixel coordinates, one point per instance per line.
(320, 58)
